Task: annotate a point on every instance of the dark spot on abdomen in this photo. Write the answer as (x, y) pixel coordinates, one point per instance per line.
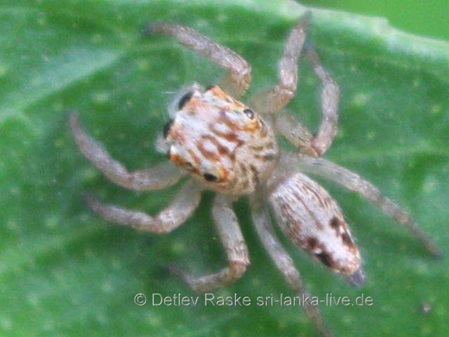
(311, 243)
(325, 259)
(335, 223)
(347, 240)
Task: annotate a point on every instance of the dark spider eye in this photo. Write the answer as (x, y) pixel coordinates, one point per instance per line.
(169, 153)
(184, 99)
(209, 87)
(167, 127)
(249, 113)
(210, 177)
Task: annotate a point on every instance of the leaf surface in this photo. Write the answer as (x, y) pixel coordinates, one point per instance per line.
(66, 272)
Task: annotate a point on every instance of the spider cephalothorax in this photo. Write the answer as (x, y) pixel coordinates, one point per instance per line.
(229, 147)
(221, 141)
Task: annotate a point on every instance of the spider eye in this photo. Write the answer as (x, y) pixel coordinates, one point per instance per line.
(209, 87)
(184, 99)
(167, 127)
(249, 113)
(169, 153)
(210, 177)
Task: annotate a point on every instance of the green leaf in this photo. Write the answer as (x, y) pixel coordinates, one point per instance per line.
(64, 271)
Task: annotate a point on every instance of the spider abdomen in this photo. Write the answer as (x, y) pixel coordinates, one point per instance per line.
(314, 222)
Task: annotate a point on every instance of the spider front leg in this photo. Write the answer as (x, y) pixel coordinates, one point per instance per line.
(234, 245)
(330, 94)
(158, 177)
(297, 133)
(275, 99)
(236, 83)
(356, 183)
(181, 208)
(283, 261)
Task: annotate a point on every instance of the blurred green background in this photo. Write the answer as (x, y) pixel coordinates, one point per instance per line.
(429, 18)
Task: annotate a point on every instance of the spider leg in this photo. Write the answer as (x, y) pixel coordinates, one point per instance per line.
(180, 209)
(330, 94)
(239, 76)
(295, 132)
(283, 261)
(277, 98)
(154, 178)
(234, 245)
(357, 184)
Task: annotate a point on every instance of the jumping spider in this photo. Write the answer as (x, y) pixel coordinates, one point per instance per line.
(224, 145)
